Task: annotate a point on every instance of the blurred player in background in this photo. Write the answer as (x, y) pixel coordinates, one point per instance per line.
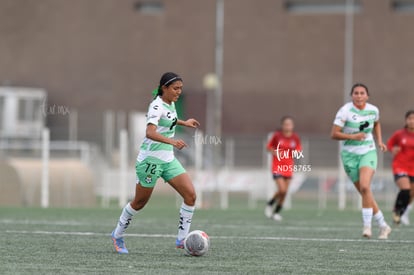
(401, 145)
(356, 124)
(156, 159)
(282, 146)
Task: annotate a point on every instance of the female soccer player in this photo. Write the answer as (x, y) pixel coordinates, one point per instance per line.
(283, 145)
(156, 159)
(401, 145)
(355, 124)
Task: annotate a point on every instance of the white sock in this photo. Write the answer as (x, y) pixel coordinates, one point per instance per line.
(367, 216)
(409, 207)
(186, 214)
(126, 216)
(379, 218)
(407, 211)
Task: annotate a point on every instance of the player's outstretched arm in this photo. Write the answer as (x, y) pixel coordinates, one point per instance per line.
(192, 123)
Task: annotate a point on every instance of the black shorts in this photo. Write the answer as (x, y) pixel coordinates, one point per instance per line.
(279, 176)
(402, 175)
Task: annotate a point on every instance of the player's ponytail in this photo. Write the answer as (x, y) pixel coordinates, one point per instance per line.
(154, 93)
(166, 80)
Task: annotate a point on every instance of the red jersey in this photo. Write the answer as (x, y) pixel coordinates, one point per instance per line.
(403, 161)
(286, 150)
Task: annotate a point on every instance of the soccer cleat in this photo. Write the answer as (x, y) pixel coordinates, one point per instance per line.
(405, 220)
(384, 232)
(179, 243)
(366, 232)
(119, 244)
(268, 211)
(277, 217)
(396, 218)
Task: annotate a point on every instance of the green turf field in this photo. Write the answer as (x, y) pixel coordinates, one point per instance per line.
(76, 241)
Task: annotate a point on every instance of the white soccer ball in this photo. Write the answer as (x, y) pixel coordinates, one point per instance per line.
(197, 243)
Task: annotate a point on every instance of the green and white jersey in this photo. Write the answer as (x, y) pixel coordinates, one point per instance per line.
(352, 120)
(164, 117)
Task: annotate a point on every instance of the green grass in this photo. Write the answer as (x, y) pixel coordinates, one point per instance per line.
(243, 241)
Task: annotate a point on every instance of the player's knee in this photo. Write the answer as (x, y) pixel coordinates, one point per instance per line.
(190, 199)
(364, 190)
(282, 192)
(138, 204)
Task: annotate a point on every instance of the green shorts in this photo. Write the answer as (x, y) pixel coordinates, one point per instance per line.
(150, 170)
(353, 162)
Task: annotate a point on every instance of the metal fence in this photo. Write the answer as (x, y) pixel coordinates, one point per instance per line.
(244, 165)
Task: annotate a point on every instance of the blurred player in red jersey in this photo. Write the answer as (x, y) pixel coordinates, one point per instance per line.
(401, 145)
(283, 146)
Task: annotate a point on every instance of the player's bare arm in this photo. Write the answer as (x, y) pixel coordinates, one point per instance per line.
(272, 151)
(395, 150)
(191, 122)
(337, 134)
(378, 136)
(152, 133)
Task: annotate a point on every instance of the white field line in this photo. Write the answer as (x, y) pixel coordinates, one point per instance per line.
(41, 222)
(298, 227)
(262, 238)
(226, 226)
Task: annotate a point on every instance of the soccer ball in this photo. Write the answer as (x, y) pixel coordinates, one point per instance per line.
(196, 243)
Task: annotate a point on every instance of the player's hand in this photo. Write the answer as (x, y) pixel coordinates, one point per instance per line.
(192, 123)
(395, 150)
(359, 136)
(179, 144)
(382, 147)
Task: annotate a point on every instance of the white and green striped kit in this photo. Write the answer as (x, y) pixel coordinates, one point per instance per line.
(164, 117)
(352, 120)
